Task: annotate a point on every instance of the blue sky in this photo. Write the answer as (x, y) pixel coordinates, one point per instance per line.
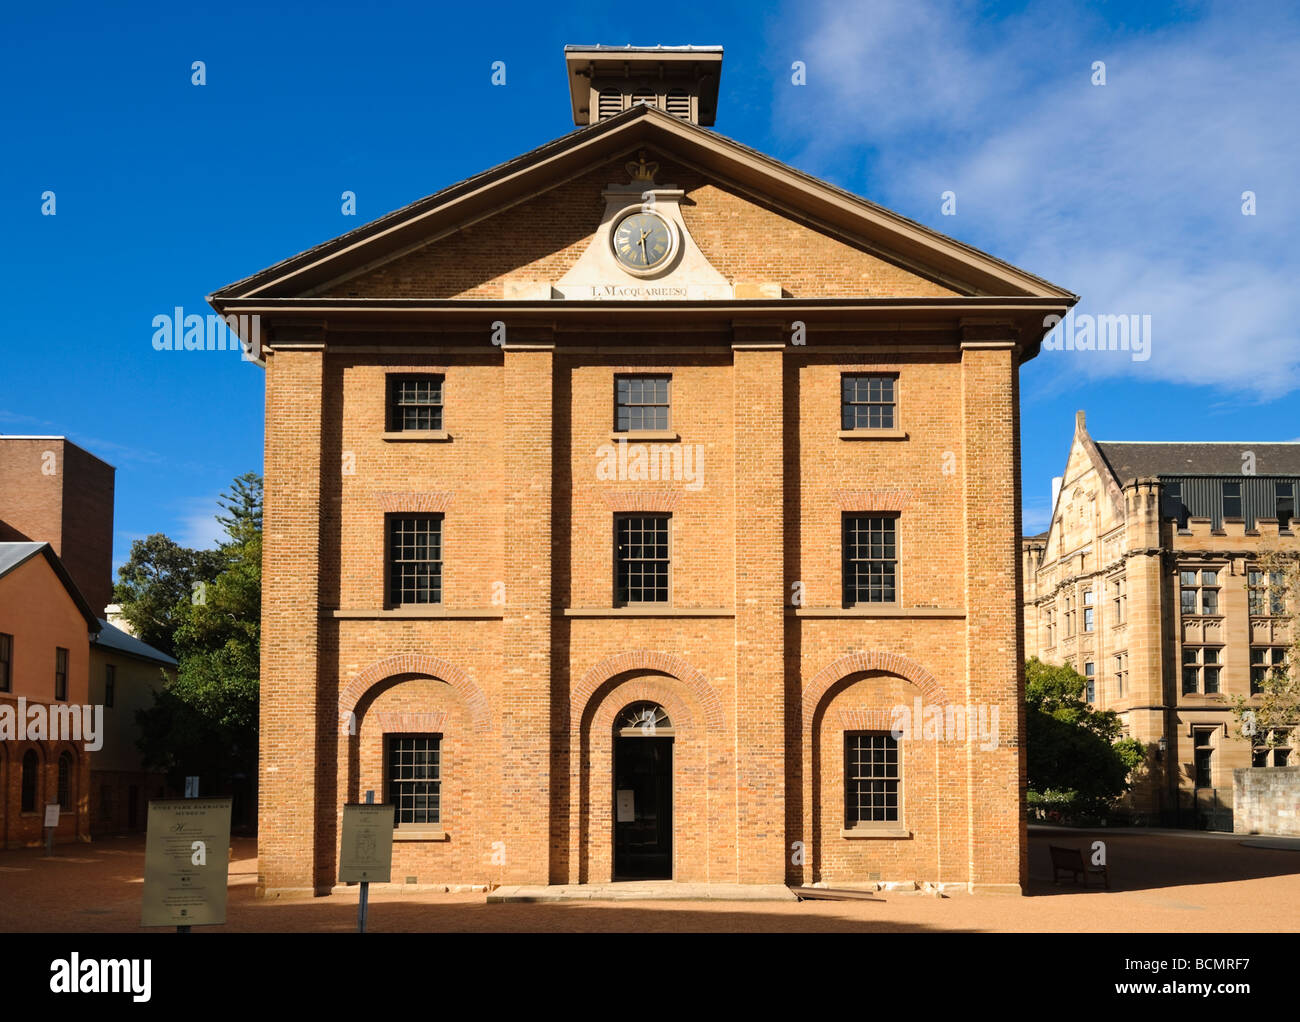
(1128, 193)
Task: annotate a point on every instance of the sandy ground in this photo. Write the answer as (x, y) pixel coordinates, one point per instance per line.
(1161, 881)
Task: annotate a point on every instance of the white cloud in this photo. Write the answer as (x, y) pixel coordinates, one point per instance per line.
(1128, 194)
(197, 525)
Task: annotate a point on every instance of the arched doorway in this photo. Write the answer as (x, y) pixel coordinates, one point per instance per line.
(643, 793)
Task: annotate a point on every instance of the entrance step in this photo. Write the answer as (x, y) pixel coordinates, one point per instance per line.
(642, 890)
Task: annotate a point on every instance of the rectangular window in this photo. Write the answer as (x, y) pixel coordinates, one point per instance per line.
(641, 402)
(1119, 600)
(1267, 589)
(870, 559)
(1232, 500)
(1284, 502)
(1121, 673)
(642, 559)
(1272, 748)
(1069, 616)
(60, 673)
(414, 779)
(110, 685)
(1201, 669)
(414, 403)
(1264, 660)
(870, 779)
(6, 661)
(868, 401)
(1174, 507)
(1203, 751)
(414, 559)
(1089, 610)
(1199, 592)
(1090, 681)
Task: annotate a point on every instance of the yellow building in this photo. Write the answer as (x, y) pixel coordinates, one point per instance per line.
(1147, 582)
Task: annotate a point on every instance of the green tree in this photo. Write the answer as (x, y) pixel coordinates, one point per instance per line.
(1077, 757)
(205, 721)
(157, 584)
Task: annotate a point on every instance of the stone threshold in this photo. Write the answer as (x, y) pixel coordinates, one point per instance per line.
(640, 890)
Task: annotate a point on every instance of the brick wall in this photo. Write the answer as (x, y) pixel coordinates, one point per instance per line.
(760, 687)
(51, 491)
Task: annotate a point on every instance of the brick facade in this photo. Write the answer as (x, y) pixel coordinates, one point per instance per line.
(51, 491)
(526, 666)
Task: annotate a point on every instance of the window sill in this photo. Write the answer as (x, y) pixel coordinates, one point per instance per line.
(419, 613)
(427, 435)
(418, 835)
(873, 434)
(662, 435)
(882, 610)
(647, 610)
(874, 832)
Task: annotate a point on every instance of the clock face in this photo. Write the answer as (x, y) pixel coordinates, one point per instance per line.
(642, 241)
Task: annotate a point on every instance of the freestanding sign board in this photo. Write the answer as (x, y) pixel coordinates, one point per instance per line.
(51, 814)
(366, 852)
(186, 865)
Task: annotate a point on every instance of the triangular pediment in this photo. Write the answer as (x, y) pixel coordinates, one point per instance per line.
(521, 228)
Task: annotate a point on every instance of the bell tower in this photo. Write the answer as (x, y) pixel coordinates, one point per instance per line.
(681, 80)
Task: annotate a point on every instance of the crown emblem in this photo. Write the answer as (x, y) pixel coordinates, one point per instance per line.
(642, 172)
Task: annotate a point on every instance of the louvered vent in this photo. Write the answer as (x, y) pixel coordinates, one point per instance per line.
(679, 104)
(611, 103)
(648, 98)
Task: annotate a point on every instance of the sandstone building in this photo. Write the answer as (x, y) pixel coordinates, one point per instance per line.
(614, 499)
(1148, 583)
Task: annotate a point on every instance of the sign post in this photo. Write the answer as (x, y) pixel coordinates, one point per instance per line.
(51, 822)
(186, 865)
(366, 851)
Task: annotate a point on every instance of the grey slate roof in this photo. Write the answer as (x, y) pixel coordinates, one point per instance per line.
(1141, 460)
(13, 554)
(112, 637)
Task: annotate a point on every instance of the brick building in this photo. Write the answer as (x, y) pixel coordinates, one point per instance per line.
(45, 629)
(52, 491)
(616, 496)
(1148, 583)
(125, 673)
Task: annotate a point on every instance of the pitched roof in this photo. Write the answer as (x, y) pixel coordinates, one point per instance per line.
(1146, 460)
(14, 554)
(112, 637)
(876, 228)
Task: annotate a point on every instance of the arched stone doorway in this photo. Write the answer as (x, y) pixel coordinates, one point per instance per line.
(643, 793)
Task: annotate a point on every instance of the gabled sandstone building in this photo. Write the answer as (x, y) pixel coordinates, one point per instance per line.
(1149, 582)
(616, 496)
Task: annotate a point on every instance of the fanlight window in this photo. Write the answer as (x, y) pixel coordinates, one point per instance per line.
(644, 719)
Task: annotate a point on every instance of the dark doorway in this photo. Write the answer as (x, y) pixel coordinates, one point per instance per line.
(643, 808)
(132, 807)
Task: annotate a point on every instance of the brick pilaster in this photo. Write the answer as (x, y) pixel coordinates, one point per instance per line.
(290, 729)
(528, 457)
(758, 716)
(998, 845)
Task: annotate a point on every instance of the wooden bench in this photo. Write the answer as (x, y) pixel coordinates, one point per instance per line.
(1070, 860)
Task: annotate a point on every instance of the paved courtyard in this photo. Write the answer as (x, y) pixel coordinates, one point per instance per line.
(1161, 881)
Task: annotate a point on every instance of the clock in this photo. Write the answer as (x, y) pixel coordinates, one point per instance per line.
(643, 242)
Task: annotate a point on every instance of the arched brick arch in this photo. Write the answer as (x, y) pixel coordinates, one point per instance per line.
(419, 663)
(644, 690)
(647, 660)
(872, 660)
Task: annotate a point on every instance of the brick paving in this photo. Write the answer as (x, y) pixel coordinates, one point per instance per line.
(1162, 881)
